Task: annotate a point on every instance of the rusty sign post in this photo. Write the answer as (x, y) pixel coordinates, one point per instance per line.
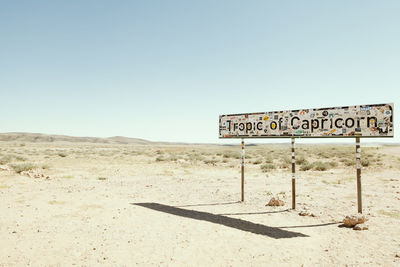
(342, 122)
(293, 175)
(358, 158)
(242, 169)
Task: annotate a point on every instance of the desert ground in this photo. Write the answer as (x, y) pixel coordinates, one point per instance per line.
(122, 204)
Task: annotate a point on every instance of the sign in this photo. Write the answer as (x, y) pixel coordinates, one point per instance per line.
(352, 121)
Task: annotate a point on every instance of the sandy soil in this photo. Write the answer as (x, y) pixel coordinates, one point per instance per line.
(124, 205)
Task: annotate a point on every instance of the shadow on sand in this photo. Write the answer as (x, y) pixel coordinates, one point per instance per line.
(273, 232)
(208, 204)
(254, 213)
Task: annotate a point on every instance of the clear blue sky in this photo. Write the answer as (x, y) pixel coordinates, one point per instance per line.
(165, 70)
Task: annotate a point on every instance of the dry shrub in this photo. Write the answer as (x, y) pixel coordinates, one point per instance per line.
(267, 167)
(210, 161)
(62, 154)
(269, 160)
(5, 159)
(306, 167)
(365, 162)
(332, 164)
(18, 168)
(257, 161)
(169, 158)
(287, 160)
(301, 160)
(161, 159)
(349, 162)
(284, 166)
(321, 166)
(324, 154)
(195, 157)
(232, 154)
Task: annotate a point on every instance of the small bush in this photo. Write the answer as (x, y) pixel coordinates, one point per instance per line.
(19, 158)
(332, 164)
(195, 157)
(101, 178)
(266, 167)
(350, 162)
(62, 154)
(172, 158)
(284, 166)
(287, 160)
(365, 162)
(18, 168)
(210, 161)
(324, 154)
(301, 160)
(231, 154)
(161, 159)
(5, 159)
(306, 167)
(269, 160)
(257, 161)
(321, 166)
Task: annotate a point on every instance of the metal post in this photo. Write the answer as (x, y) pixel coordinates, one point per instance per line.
(358, 157)
(293, 175)
(242, 169)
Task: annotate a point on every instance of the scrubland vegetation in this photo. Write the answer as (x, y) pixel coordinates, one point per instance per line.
(266, 158)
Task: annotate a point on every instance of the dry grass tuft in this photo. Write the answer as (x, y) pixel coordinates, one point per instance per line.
(6, 159)
(267, 167)
(18, 168)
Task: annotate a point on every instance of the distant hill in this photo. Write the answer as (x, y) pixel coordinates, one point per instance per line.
(38, 138)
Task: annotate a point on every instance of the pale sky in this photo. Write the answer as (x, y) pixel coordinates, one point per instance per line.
(165, 70)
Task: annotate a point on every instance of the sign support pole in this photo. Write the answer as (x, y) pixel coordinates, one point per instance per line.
(242, 169)
(293, 175)
(358, 158)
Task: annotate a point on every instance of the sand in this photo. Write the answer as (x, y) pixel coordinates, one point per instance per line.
(124, 205)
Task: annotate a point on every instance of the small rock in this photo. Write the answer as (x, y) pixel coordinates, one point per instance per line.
(304, 213)
(397, 256)
(275, 202)
(361, 226)
(352, 220)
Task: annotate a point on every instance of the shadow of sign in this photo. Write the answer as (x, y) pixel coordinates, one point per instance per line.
(208, 204)
(273, 232)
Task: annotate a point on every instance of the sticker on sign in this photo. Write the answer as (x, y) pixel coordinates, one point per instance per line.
(351, 121)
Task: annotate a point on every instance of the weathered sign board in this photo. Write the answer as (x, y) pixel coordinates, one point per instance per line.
(350, 121)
